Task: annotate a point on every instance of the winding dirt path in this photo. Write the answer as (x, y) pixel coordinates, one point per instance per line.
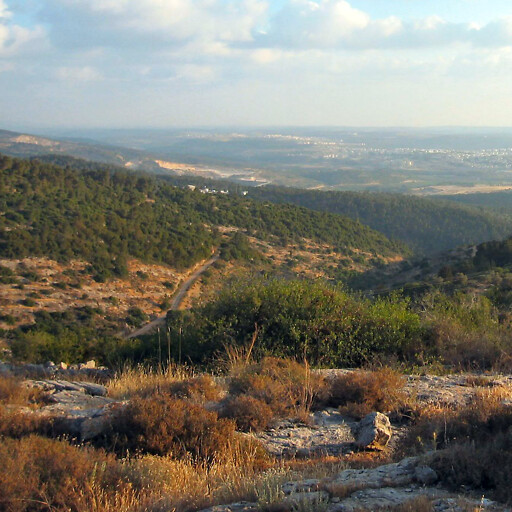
(177, 300)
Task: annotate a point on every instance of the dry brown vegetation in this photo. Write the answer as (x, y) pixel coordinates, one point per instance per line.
(359, 393)
(12, 391)
(163, 425)
(166, 451)
(54, 287)
(286, 387)
(142, 381)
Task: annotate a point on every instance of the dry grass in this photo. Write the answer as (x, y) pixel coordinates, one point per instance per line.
(438, 427)
(286, 386)
(359, 393)
(164, 425)
(14, 392)
(18, 424)
(39, 474)
(200, 389)
(478, 381)
(142, 381)
(473, 445)
(43, 474)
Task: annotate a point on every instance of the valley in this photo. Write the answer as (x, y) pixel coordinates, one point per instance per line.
(319, 350)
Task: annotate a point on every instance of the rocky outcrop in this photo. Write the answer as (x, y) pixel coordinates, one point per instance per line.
(382, 488)
(78, 409)
(327, 433)
(374, 432)
(49, 370)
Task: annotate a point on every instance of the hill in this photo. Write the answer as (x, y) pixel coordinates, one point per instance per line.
(425, 225)
(481, 270)
(496, 200)
(104, 216)
(73, 237)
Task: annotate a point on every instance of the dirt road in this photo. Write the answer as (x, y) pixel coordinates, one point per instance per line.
(177, 300)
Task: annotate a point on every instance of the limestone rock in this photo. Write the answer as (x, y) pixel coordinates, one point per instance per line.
(389, 475)
(384, 498)
(329, 433)
(78, 409)
(425, 475)
(374, 431)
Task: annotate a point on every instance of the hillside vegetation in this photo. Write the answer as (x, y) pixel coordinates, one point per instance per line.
(106, 216)
(425, 225)
(497, 200)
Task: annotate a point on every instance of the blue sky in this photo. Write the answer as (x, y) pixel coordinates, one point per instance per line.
(165, 63)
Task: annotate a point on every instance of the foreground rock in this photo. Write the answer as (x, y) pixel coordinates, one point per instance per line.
(374, 432)
(329, 433)
(78, 409)
(383, 488)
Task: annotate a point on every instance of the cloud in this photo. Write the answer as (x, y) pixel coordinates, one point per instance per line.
(335, 24)
(156, 54)
(149, 23)
(4, 12)
(16, 39)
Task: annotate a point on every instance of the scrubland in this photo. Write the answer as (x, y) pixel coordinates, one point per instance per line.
(184, 440)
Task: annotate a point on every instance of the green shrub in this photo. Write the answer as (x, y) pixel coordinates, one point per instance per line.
(300, 319)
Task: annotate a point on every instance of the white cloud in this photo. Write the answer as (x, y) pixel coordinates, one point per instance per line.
(4, 10)
(160, 20)
(154, 51)
(15, 40)
(266, 55)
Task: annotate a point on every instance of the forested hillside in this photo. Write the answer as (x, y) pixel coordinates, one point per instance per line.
(497, 200)
(426, 225)
(106, 216)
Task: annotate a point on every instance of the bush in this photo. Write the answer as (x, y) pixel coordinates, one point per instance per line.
(484, 417)
(249, 413)
(299, 319)
(485, 466)
(12, 391)
(286, 386)
(199, 389)
(39, 474)
(361, 392)
(163, 425)
(18, 424)
(136, 317)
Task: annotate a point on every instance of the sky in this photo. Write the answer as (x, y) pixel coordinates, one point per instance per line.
(183, 63)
